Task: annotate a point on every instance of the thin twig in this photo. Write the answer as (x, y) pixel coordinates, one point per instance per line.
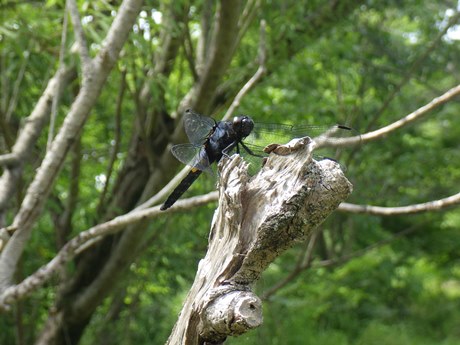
(54, 105)
(79, 35)
(302, 264)
(361, 252)
(204, 39)
(332, 262)
(415, 65)
(15, 96)
(117, 140)
(408, 119)
(249, 12)
(430, 206)
(262, 56)
(189, 54)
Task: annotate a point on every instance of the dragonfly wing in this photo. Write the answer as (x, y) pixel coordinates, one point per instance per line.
(268, 133)
(197, 127)
(334, 135)
(192, 156)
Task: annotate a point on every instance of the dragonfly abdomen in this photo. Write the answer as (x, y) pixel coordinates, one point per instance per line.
(181, 188)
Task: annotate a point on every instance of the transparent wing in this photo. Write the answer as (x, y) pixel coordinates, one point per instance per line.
(268, 133)
(192, 156)
(197, 127)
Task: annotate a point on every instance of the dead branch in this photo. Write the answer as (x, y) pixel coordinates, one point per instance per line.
(257, 220)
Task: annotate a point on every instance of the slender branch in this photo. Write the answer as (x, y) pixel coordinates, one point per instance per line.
(249, 12)
(5, 130)
(188, 51)
(72, 199)
(361, 252)
(256, 77)
(15, 96)
(303, 263)
(54, 106)
(29, 135)
(80, 36)
(117, 140)
(203, 41)
(415, 65)
(220, 53)
(84, 240)
(430, 206)
(8, 159)
(332, 262)
(408, 119)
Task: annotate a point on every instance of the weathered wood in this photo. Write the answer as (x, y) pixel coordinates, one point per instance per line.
(257, 220)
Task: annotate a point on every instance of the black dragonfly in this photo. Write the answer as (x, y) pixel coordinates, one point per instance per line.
(210, 140)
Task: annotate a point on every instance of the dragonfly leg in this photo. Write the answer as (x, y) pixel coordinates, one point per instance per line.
(229, 148)
(248, 150)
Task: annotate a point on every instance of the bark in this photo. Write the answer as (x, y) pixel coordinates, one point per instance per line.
(257, 220)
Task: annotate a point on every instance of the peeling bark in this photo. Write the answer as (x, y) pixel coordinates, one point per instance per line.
(257, 219)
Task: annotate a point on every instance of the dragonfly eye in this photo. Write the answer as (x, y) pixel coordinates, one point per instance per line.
(243, 125)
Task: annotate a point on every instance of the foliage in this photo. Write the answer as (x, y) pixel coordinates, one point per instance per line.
(366, 67)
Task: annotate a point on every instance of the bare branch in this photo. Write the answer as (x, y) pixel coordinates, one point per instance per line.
(249, 12)
(302, 264)
(348, 257)
(415, 65)
(65, 219)
(28, 136)
(39, 189)
(188, 51)
(430, 206)
(15, 96)
(80, 36)
(203, 41)
(408, 119)
(256, 77)
(220, 53)
(117, 140)
(86, 239)
(332, 262)
(54, 106)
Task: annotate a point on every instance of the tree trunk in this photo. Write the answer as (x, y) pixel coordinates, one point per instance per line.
(257, 220)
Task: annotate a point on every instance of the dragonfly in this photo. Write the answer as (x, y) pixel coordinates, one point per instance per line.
(210, 140)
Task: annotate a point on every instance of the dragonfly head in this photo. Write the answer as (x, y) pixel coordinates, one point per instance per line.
(243, 125)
